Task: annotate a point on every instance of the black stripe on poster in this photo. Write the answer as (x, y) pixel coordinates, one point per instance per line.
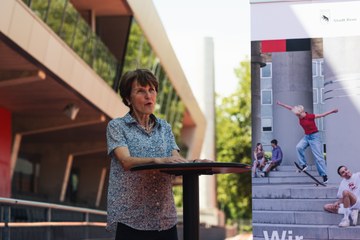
(298, 44)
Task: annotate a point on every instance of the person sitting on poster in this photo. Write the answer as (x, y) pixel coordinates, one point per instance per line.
(259, 159)
(276, 158)
(348, 202)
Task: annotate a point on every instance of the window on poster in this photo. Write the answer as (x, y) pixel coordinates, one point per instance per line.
(266, 97)
(321, 68)
(322, 95)
(315, 96)
(314, 68)
(266, 72)
(266, 124)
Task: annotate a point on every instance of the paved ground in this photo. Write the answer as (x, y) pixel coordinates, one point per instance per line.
(244, 236)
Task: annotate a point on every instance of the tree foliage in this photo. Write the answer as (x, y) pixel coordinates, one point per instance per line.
(233, 144)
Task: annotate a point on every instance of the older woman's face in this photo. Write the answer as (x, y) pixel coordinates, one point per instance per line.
(143, 98)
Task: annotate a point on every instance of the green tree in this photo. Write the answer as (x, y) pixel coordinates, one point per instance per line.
(233, 144)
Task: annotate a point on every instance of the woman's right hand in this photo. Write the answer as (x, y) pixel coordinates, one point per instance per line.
(172, 159)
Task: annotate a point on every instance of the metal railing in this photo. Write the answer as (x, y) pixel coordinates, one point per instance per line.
(16, 214)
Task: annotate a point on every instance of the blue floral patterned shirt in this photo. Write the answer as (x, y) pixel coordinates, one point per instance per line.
(143, 201)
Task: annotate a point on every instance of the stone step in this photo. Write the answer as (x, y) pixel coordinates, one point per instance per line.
(293, 168)
(292, 173)
(290, 204)
(286, 175)
(284, 180)
(317, 232)
(294, 191)
(296, 217)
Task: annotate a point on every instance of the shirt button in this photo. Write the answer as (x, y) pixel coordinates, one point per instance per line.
(157, 204)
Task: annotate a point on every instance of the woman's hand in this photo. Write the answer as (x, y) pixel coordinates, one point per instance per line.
(172, 159)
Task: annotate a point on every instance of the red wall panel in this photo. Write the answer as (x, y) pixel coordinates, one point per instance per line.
(273, 46)
(5, 152)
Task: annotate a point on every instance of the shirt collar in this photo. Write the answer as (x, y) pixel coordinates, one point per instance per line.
(130, 120)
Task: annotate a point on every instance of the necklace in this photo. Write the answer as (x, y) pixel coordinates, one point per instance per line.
(148, 127)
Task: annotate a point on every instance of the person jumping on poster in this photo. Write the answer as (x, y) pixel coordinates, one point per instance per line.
(311, 138)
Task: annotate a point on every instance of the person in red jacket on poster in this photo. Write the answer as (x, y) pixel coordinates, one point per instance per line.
(348, 194)
(312, 138)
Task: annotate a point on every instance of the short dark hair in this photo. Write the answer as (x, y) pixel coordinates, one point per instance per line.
(274, 141)
(338, 170)
(143, 76)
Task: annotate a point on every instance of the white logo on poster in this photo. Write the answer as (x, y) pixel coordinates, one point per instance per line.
(325, 16)
(285, 235)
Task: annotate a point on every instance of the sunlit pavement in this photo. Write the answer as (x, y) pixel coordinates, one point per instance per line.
(244, 236)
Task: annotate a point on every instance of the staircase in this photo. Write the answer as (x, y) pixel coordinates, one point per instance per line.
(288, 206)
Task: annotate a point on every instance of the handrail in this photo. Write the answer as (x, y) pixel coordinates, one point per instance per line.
(5, 217)
(13, 201)
(52, 224)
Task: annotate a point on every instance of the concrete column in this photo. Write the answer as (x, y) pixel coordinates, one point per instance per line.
(207, 184)
(292, 84)
(201, 77)
(257, 61)
(342, 91)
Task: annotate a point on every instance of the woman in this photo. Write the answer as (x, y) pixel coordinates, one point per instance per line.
(259, 158)
(141, 205)
(311, 138)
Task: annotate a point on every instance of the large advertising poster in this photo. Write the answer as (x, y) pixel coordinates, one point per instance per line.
(306, 96)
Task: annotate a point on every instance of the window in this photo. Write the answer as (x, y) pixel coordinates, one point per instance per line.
(322, 95)
(320, 124)
(25, 176)
(266, 124)
(266, 97)
(315, 96)
(73, 185)
(314, 69)
(266, 72)
(321, 68)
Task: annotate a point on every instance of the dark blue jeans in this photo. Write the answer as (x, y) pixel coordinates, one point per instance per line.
(124, 232)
